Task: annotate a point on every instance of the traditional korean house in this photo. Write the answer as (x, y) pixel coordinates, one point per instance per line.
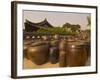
(31, 26)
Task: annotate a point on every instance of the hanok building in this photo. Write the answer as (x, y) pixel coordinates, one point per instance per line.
(31, 26)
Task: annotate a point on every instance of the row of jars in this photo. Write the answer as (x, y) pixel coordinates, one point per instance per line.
(57, 51)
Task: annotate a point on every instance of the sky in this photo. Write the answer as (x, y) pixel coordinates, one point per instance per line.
(57, 18)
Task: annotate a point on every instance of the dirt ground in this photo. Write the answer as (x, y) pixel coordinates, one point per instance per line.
(28, 64)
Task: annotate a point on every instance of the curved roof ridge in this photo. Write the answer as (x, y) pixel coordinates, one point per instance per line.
(39, 23)
(45, 20)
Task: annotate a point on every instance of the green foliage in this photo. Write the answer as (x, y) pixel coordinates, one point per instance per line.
(74, 28)
(55, 30)
(67, 25)
(66, 29)
(89, 20)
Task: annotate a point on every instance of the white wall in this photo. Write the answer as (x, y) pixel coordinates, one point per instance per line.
(5, 41)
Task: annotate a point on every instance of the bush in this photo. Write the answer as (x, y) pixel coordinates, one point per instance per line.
(55, 30)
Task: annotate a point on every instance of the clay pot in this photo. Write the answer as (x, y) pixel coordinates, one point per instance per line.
(76, 55)
(62, 53)
(54, 51)
(25, 51)
(25, 47)
(54, 43)
(62, 59)
(38, 53)
(54, 55)
(88, 48)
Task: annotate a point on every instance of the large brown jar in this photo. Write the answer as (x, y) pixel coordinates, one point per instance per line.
(54, 51)
(76, 55)
(38, 53)
(54, 55)
(26, 45)
(62, 53)
(62, 59)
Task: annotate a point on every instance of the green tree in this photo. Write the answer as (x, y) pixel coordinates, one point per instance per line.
(89, 22)
(76, 28)
(67, 25)
(72, 28)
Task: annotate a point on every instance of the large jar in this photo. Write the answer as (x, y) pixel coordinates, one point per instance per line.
(54, 55)
(88, 48)
(54, 51)
(62, 59)
(62, 53)
(26, 45)
(38, 53)
(76, 55)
